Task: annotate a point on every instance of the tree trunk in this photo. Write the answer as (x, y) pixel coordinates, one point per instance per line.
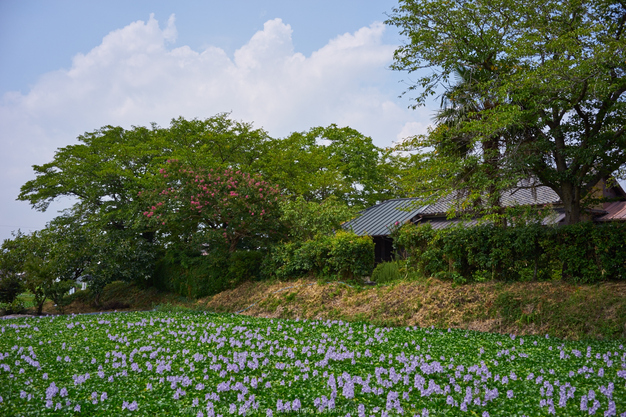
(571, 203)
(40, 306)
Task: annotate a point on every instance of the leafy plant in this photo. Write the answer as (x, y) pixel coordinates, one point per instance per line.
(14, 307)
(386, 272)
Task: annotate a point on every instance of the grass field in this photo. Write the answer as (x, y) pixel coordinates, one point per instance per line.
(202, 364)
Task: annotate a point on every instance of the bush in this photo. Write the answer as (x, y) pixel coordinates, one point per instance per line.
(580, 253)
(343, 256)
(386, 272)
(591, 253)
(10, 287)
(200, 276)
(14, 307)
(244, 265)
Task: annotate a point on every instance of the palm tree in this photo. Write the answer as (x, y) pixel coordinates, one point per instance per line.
(467, 102)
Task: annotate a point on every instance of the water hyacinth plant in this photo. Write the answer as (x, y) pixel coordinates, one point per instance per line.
(151, 363)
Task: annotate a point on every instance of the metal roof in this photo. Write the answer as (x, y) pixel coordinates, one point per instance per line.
(526, 194)
(615, 212)
(380, 219)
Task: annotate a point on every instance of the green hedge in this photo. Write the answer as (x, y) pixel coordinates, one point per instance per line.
(344, 255)
(580, 253)
(199, 276)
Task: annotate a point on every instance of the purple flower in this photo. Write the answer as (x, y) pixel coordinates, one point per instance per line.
(51, 391)
(296, 405)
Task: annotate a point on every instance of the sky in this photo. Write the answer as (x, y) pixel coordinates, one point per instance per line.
(68, 67)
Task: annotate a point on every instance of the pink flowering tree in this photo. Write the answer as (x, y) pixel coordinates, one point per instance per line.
(224, 204)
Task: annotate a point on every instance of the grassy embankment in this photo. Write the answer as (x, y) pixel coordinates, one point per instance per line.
(555, 308)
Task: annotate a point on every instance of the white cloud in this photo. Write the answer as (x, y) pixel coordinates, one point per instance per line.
(136, 76)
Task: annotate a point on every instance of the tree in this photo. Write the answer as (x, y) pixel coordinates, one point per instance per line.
(308, 219)
(328, 161)
(555, 69)
(202, 205)
(30, 258)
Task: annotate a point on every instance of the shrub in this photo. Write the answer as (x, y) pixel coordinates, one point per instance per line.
(244, 265)
(351, 255)
(344, 256)
(581, 253)
(199, 276)
(10, 287)
(14, 307)
(386, 272)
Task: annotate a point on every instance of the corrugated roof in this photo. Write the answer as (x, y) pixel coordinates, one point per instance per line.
(526, 194)
(378, 220)
(615, 212)
(444, 224)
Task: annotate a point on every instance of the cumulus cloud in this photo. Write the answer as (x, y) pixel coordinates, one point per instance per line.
(137, 76)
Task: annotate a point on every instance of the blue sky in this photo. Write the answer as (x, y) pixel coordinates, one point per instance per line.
(69, 67)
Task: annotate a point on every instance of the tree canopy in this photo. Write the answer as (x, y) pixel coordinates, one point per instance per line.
(550, 76)
(196, 186)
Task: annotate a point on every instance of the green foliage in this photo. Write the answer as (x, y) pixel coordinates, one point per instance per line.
(38, 279)
(330, 161)
(120, 256)
(386, 272)
(244, 265)
(581, 253)
(591, 253)
(10, 286)
(344, 256)
(308, 219)
(126, 187)
(540, 94)
(15, 306)
(192, 276)
(351, 255)
(196, 276)
(58, 293)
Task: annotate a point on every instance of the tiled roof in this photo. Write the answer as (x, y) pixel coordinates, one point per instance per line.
(378, 220)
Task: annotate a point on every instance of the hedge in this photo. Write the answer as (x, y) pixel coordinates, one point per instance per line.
(343, 256)
(580, 253)
(200, 276)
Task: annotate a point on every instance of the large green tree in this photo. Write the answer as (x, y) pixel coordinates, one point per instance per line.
(330, 161)
(554, 72)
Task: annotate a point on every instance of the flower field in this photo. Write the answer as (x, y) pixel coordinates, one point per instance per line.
(157, 363)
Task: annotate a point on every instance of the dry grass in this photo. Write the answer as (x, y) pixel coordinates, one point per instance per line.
(562, 310)
(555, 308)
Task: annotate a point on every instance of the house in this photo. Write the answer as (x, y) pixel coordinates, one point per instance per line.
(380, 220)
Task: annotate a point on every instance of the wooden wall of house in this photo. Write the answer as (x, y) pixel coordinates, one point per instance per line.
(383, 249)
